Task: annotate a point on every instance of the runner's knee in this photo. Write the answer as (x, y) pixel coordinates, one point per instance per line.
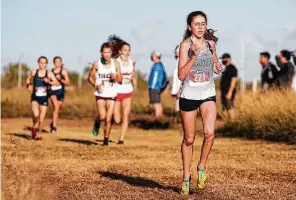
(209, 134)
(188, 140)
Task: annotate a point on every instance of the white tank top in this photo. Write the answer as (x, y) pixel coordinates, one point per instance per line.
(103, 77)
(199, 83)
(126, 73)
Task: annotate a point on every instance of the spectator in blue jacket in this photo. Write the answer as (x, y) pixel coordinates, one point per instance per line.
(155, 83)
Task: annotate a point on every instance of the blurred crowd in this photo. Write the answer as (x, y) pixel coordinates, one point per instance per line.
(274, 75)
(280, 75)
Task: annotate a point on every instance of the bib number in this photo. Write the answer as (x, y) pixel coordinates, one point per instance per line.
(41, 91)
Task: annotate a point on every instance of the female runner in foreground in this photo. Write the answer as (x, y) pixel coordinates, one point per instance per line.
(106, 71)
(122, 51)
(57, 93)
(42, 79)
(197, 62)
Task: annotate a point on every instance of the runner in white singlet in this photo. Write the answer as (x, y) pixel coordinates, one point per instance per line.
(124, 91)
(106, 72)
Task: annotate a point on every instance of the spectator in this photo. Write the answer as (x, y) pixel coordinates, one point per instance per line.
(294, 78)
(228, 85)
(287, 70)
(269, 71)
(176, 82)
(157, 82)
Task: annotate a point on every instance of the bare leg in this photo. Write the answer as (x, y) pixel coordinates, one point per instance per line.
(126, 105)
(36, 112)
(56, 109)
(42, 115)
(117, 112)
(188, 122)
(208, 112)
(110, 110)
(101, 108)
(231, 114)
(158, 110)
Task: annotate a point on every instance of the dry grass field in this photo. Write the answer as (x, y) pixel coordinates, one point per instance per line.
(73, 165)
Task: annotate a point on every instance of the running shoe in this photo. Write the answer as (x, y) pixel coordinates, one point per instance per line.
(185, 189)
(52, 128)
(34, 135)
(106, 141)
(120, 142)
(202, 178)
(96, 127)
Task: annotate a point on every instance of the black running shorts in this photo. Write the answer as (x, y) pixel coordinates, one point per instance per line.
(191, 105)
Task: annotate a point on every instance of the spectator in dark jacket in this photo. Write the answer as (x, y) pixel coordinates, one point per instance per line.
(269, 71)
(287, 70)
(294, 56)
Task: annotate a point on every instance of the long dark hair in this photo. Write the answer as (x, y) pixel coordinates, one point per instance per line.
(209, 35)
(116, 44)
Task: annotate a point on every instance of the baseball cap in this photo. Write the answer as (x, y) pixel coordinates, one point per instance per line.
(225, 55)
(157, 53)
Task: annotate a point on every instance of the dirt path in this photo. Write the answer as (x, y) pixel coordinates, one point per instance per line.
(73, 165)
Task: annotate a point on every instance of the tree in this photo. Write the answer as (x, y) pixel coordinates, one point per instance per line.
(10, 75)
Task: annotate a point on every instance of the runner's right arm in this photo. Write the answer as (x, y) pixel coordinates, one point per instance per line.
(91, 74)
(29, 80)
(52, 79)
(66, 79)
(185, 64)
(134, 81)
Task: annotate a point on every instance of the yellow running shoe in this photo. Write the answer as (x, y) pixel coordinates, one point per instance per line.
(185, 187)
(202, 178)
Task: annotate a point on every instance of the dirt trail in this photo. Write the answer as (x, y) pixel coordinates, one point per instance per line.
(73, 165)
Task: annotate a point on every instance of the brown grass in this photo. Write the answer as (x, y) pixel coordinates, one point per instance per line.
(270, 116)
(73, 165)
(78, 104)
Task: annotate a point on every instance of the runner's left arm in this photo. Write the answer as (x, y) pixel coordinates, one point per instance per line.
(29, 80)
(66, 79)
(217, 65)
(134, 80)
(52, 79)
(117, 77)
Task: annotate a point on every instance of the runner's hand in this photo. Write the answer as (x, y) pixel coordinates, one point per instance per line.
(113, 76)
(46, 80)
(195, 48)
(218, 68)
(30, 88)
(99, 88)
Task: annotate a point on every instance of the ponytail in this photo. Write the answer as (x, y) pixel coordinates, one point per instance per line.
(116, 44)
(209, 35)
(187, 34)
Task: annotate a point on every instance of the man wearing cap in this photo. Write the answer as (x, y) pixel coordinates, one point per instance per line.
(155, 82)
(176, 82)
(269, 71)
(228, 85)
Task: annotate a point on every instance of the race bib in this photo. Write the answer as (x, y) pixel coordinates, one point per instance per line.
(40, 91)
(126, 80)
(56, 87)
(198, 76)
